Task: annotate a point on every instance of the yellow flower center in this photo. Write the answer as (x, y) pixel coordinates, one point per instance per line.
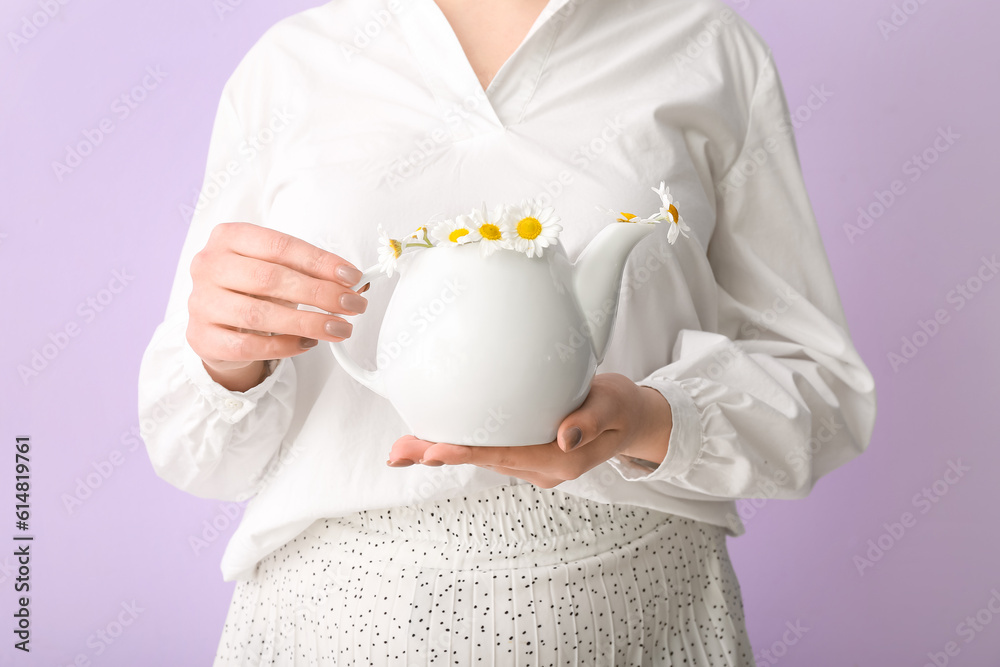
(627, 217)
(529, 228)
(397, 248)
(490, 232)
(457, 234)
(673, 212)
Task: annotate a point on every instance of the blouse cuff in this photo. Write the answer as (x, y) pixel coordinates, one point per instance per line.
(684, 445)
(232, 406)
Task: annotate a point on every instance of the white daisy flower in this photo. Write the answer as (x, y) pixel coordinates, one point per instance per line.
(664, 193)
(678, 226)
(457, 231)
(419, 237)
(621, 216)
(669, 213)
(532, 228)
(389, 251)
(492, 229)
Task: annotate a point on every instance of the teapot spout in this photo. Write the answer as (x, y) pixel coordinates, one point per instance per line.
(597, 278)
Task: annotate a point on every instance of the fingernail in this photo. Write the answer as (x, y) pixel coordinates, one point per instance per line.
(399, 463)
(431, 462)
(338, 328)
(352, 302)
(573, 437)
(306, 343)
(348, 273)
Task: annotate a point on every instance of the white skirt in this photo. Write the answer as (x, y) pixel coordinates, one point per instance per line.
(514, 575)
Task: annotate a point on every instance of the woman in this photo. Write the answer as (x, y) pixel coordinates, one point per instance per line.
(731, 373)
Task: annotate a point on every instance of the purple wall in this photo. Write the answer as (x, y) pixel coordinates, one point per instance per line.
(891, 558)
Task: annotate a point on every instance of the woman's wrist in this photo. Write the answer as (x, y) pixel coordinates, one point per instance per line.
(656, 423)
(240, 379)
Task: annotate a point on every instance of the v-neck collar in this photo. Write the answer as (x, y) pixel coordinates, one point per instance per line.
(453, 81)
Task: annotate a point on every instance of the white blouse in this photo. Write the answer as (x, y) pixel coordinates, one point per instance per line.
(356, 113)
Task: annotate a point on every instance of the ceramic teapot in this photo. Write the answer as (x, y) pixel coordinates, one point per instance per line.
(495, 350)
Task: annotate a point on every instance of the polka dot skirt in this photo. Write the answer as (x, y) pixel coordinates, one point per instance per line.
(514, 575)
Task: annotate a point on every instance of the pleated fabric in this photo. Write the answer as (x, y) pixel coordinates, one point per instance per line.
(514, 575)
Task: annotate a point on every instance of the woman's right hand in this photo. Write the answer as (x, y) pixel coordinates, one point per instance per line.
(247, 282)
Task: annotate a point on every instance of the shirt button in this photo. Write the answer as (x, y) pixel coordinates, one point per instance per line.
(233, 403)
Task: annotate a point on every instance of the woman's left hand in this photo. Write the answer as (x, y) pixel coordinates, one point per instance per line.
(617, 417)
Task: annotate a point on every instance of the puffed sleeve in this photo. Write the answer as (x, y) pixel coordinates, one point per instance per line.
(778, 396)
(201, 437)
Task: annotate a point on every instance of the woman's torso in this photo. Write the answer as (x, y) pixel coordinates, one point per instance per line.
(366, 113)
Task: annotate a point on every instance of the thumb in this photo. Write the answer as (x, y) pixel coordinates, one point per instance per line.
(584, 424)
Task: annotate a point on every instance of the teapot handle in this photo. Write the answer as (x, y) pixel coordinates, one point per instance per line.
(371, 379)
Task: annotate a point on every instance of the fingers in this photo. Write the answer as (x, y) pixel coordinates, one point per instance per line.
(219, 306)
(266, 279)
(224, 347)
(278, 248)
(547, 460)
(529, 457)
(248, 282)
(407, 451)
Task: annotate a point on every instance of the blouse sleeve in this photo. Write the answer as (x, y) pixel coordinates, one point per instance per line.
(777, 396)
(200, 436)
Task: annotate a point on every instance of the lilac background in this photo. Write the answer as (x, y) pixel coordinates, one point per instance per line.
(61, 241)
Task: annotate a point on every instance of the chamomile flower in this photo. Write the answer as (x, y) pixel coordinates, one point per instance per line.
(389, 251)
(621, 216)
(418, 239)
(492, 229)
(669, 213)
(532, 228)
(457, 231)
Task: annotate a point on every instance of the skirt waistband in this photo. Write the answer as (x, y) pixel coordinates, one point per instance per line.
(503, 525)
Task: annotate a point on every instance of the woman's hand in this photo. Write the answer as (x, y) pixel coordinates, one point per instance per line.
(247, 284)
(618, 417)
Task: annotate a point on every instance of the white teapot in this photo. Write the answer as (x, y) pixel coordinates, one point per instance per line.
(496, 350)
